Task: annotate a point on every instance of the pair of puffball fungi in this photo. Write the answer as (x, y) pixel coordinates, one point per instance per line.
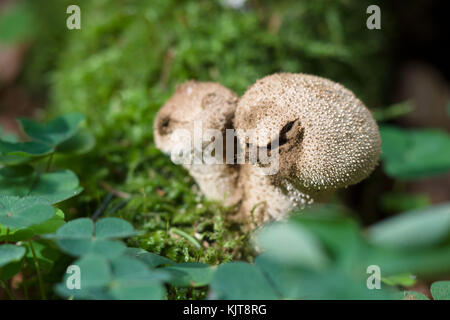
(327, 139)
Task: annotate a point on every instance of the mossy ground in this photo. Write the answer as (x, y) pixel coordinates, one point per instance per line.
(125, 62)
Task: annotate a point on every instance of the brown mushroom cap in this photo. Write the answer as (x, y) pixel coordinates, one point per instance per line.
(214, 106)
(328, 138)
(211, 103)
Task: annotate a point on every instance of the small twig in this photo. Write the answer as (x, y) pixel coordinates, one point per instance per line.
(117, 193)
(103, 206)
(118, 206)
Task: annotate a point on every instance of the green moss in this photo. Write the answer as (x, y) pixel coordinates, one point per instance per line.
(125, 62)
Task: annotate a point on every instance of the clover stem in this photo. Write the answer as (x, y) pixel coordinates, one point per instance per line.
(49, 163)
(7, 290)
(38, 271)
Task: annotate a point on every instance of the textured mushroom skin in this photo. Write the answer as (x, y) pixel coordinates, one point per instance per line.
(214, 106)
(328, 140)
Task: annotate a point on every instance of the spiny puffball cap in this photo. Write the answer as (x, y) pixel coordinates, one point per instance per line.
(336, 141)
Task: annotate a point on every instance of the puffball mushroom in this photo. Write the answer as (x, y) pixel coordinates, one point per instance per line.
(327, 139)
(212, 106)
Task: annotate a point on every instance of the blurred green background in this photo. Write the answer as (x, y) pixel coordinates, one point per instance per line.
(129, 55)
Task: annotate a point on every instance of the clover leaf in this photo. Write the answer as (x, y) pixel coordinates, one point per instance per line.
(17, 212)
(81, 236)
(121, 278)
(10, 260)
(440, 290)
(306, 252)
(62, 134)
(414, 154)
(56, 186)
(83, 141)
(14, 153)
(415, 229)
(54, 132)
(10, 253)
(133, 280)
(181, 274)
(48, 226)
(241, 281)
(16, 180)
(95, 273)
(190, 274)
(52, 187)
